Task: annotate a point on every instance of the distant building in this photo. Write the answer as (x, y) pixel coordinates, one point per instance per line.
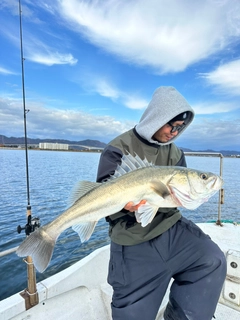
(53, 146)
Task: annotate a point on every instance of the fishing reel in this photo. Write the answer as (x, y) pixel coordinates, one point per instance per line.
(32, 224)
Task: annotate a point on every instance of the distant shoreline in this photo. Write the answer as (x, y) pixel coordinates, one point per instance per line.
(61, 150)
(99, 151)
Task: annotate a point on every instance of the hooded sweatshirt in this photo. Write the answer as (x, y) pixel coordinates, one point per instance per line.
(166, 104)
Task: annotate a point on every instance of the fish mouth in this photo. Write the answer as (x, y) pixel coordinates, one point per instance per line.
(217, 183)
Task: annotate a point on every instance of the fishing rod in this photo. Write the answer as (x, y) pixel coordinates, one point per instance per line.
(30, 294)
(25, 111)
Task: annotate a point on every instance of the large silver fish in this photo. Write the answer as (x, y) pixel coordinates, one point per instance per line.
(133, 180)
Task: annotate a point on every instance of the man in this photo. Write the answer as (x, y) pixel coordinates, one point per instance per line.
(144, 259)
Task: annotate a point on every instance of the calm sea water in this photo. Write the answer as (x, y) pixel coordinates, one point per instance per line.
(52, 177)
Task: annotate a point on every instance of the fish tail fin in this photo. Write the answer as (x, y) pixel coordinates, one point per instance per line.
(39, 245)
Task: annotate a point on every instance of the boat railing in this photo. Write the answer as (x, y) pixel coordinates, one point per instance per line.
(221, 192)
(6, 252)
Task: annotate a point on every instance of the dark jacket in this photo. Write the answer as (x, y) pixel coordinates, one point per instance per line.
(168, 103)
(123, 226)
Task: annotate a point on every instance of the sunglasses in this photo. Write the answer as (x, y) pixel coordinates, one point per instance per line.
(176, 128)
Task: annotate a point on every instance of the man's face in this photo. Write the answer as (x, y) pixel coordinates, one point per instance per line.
(164, 134)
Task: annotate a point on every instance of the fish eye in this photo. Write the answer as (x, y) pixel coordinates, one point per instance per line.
(204, 176)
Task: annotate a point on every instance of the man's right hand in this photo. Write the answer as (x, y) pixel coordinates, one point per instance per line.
(130, 206)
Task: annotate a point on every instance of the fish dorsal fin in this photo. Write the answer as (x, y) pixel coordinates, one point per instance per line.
(145, 214)
(130, 163)
(85, 229)
(80, 189)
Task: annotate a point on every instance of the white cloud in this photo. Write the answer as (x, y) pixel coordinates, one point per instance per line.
(40, 47)
(10, 5)
(51, 58)
(131, 101)
(104, 86)
(43, 122)
(215, 134)
(6, 71)
(168, 35)
(210, 107)
(39, 51)
(225, 77)
(135, 102)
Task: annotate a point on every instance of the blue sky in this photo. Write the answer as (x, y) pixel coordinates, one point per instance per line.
(91, 67)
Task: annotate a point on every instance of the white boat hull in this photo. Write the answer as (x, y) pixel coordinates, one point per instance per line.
(81, 291)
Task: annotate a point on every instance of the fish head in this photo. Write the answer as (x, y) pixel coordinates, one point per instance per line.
(190, 187)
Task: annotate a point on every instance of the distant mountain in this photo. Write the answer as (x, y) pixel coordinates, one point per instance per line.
(21, 140)
(95, 143)
(223, 152)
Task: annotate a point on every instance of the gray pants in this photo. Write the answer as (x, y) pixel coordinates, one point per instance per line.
(140, 275)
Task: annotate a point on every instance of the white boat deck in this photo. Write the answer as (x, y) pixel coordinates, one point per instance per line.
(81, 291)
(225, 313)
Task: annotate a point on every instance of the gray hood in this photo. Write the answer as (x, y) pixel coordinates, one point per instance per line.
(166, 104)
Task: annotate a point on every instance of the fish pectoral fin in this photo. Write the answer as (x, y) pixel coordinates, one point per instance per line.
(85, 230)
(145, 214)
(160, 188)
(80, 189)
